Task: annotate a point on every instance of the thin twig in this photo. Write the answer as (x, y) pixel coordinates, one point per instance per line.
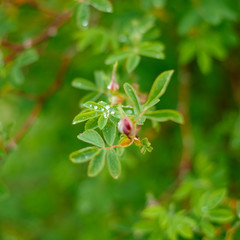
(40, 103)
(50, 31)
(186, 129)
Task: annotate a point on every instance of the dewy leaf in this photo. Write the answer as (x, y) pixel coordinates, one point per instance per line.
(84, 84)
(165, 115)
(132, 62)
(92, 137)
(94, 106)
(96, 164)
(83, 155)
(82, 14)
(81, 117)
(130, 92)
(159, 86)
(220, 215)
(153, 50)
(102, 5)
(118, 56)
(102, 121)
(92, 96)
(109, 132)
(114, 165)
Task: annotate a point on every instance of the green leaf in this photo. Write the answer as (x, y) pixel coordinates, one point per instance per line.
(159, 86)
(16, 75)
(102, 5)
(153, 50)
(204, 61)
(216, 198)
(132, 62)
(220, 215)
(26, 58)
(82, 117)
(207, 228)
(238, 209)
(109, 132)
(83, 155)
(96, 164)
(118, 56)
(92, 137)
(144, 145)
(93, 96)
(130, 92)
(84, 84)
(102, 121)
(100, 79)
(165, 115)
(82, 14)
(185, 230)
(94, 106)
(152, 211)
(4, 192)
(144, 226)
(114, 165)
(91, 124)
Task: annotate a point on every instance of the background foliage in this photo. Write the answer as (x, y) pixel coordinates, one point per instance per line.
(187, 187)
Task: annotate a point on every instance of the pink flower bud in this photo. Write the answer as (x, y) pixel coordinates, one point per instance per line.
(125, 126)
(113, 86)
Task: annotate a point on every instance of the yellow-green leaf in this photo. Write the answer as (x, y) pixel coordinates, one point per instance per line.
(114, 165)
(165, 115)
(130, 92)
(83, 155)
(159, 86)
(92, 137)
(96, 164)
(132, 62)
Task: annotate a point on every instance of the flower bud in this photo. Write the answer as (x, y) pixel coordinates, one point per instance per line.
(113, 86)
(126, 126)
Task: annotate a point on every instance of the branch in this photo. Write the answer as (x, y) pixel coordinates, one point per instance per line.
(186, 128)
(50, 31)
(40, 103)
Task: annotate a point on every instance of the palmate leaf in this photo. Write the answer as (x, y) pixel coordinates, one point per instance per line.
(84, 84)
(97, 163)
(114, 165)
(130, 92)
(82, 117)
(165, 115)
(159, 86)
(83, 155)
(92, 137)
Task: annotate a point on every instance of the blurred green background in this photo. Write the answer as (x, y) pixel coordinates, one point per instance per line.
(47, 196)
